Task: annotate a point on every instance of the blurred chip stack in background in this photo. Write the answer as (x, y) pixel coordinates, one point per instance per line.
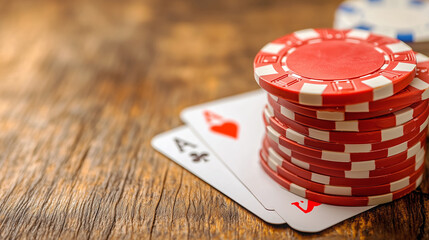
(406, 20)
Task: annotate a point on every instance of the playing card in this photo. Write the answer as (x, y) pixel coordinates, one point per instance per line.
(233, 129)
(183, 147)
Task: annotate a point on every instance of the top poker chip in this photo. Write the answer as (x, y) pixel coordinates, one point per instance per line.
(407, 20)
(327, 67)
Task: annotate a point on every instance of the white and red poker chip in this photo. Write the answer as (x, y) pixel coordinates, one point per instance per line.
(334, 115)
(279, 154)
(288, 67)
(388, 153)
(330, 146)
(417, 90)
(347, 115)
(381, 165)
(355, 174)
(347, 190)
(360, 125)
(353, 137)
(342, 181)
(303, 160)
(270, 168)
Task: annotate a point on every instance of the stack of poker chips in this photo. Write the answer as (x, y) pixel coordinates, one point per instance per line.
(406, 20)
(346, 115)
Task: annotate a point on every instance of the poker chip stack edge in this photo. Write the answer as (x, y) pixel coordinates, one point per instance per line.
(346, 115)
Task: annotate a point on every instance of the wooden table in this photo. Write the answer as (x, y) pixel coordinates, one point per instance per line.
(86, 85)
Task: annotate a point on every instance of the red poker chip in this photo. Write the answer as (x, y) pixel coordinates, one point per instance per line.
(338, 147)
(325, 67)
(334, 115)
(353, 137)
(352, 182)
(416, 91)
(358, 174)
(343, 156)
(336, 200)
(346, 190)
(331, 169)
(371, 168)
(363, 125)
(301, 160)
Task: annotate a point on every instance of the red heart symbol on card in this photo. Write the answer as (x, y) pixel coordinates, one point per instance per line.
(229, 129)
(310, 206)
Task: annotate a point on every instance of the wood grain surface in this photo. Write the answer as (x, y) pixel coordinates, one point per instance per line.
(84, 86)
